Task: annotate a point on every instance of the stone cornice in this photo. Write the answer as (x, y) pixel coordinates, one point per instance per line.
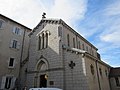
(84, 54)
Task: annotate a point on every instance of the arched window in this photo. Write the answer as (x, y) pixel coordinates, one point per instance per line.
(60, 31)
(74, 42)
(39, 43)
(42, 40)
(100, 71)
(83, 46)
(92, 69)
(79, 45)
(106, 72)
(68, 40)
(46, 40)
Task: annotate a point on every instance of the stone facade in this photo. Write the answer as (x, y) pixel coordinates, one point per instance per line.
(67, 59)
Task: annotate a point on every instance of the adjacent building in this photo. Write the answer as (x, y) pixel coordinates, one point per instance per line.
(14, 42)
(51, 55)
(115, 78)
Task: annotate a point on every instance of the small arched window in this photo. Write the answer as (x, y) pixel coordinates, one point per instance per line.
(42, 40)
(39, 43)
(92, 69)
(60, 31)
(68, 40)
(46, 40)
(100, 70)
(106, 72)
(73, 42)
(83, 46)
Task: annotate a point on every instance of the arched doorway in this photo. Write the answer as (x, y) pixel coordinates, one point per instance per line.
(43, 81)
(41, 76)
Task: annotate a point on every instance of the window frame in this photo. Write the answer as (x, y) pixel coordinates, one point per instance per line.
(14, 44)
(8, 82)
(17, 30)
(13, 62)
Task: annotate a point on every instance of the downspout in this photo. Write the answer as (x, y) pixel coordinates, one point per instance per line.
(98, 76)
(20, 68)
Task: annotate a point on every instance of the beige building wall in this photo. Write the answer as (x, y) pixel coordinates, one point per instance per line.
(8, 50)
(99, 80)
(90, 59)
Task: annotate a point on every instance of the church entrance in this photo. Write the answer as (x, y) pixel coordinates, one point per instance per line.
(43, 81)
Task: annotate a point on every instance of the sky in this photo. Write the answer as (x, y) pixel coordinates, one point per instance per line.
(96, 20)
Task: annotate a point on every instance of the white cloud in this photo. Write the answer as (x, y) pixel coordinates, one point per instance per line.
(112, 32)
(113, 9)
(69, 10)
(28, 12)
(112, 37)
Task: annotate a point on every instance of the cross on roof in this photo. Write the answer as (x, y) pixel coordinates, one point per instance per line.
(43, 15)
(72, 64)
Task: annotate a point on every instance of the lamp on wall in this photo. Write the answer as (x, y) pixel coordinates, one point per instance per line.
(46, 76)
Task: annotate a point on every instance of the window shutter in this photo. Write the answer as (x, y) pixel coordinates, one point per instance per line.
(20, 32)
(11, 43)
(3, 82)
(18, 45)
(59, 31)
(14, 29)
(3, 24)
(13, 83)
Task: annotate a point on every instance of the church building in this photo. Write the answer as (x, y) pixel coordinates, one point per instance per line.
(60, 57)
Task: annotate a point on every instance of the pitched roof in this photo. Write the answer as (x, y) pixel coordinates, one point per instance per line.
(60, 21)
(15, 22)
